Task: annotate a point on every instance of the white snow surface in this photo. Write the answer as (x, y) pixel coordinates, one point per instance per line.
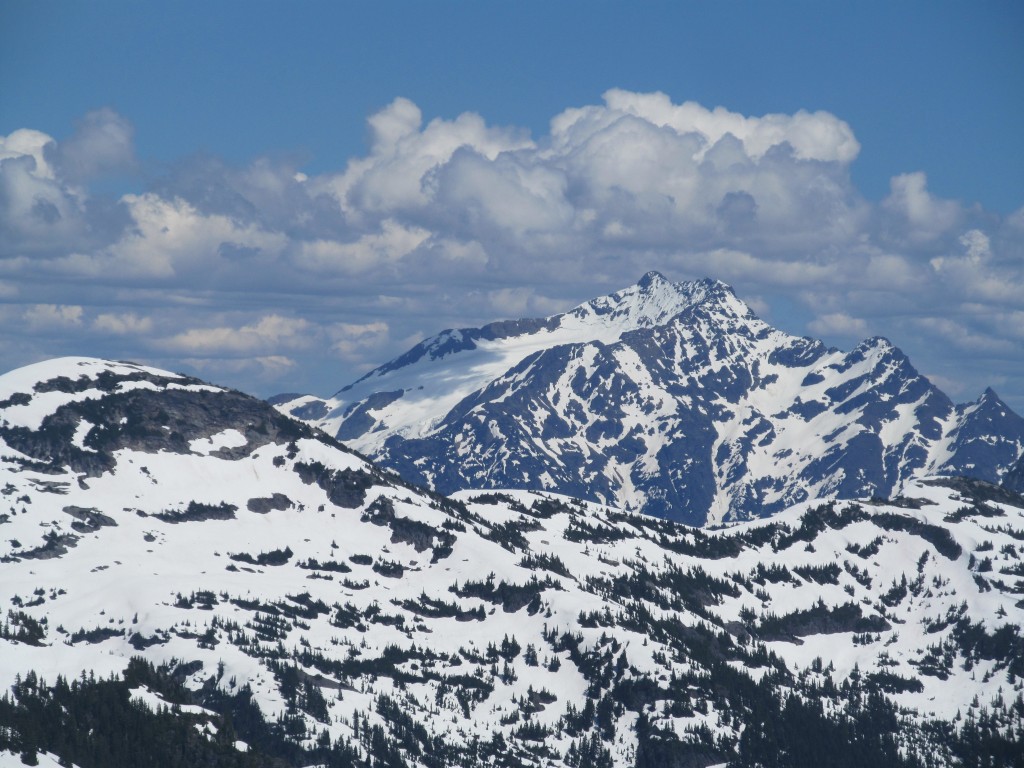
(144, 574)
(46, 760)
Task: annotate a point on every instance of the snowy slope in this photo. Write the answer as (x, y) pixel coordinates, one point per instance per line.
(143, 513)
(669, 398)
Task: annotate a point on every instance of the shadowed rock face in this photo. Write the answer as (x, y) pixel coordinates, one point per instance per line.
(1014, 480)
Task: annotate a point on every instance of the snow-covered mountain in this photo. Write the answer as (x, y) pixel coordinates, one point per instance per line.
(673, 399)
(294, 603)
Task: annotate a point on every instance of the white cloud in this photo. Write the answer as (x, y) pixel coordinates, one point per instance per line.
(735, 266)
(632, 174)
(838, 324)
(972, 274)
(760, 307)
(400, 120)
(351, 341)
(38, 216)
(454, 222)
(403, 153)
(43, 212)
(173, 237)
(963, 338)
(268, 334)
(26, 142)
(813, 136)
(373, 251)
(103, 142)
(951, 386)
(520, 302)
(977, 250)
(53, 316)
(501, 192)
(267, 368)
(919, 214)
(122, 324)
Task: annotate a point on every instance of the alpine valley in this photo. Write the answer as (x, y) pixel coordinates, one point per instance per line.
(533, 568)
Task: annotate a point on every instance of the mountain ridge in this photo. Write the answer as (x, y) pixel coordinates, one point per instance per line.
(727, 416)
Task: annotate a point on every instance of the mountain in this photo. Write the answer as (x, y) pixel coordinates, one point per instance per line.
(192, 578)
(673, 399)
(1014, 479)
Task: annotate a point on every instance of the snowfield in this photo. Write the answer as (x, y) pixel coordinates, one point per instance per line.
(148, 515)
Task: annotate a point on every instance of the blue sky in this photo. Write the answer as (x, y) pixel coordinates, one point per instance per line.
(278, 195)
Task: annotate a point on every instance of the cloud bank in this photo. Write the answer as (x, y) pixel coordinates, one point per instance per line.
(256, 272)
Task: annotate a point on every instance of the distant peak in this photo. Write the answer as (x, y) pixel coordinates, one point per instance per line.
(879, 343)
(881, 350)
(710, 282)
(654, 282)
(651, 278)
(989, 405)
(655, 300)
(989, 396)
(655, 279)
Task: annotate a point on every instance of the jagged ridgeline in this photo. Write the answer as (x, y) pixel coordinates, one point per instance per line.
(673, 399)
(191, 578)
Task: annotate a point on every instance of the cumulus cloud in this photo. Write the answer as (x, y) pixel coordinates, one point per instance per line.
(838, 324)
(915, 213)
(122, 324)
(53, 316)
(373, 251)
(103, 143)
(350, 340)
(269, 333)
(403, 152)
(264, 367)
(963, 338)
(813, 136)
(173, 238)
(44, 210)
(26, 142)
(37, 214)
(617, 179)
(451, 222)
(973, 272)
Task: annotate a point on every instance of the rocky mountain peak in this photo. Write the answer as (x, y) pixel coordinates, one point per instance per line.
(651, 278)
(988, 406)
(655, 300)
(990, 397)
(672, 398)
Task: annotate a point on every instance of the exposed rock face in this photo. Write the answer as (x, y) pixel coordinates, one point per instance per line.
(1014, 478)
(262, 506)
